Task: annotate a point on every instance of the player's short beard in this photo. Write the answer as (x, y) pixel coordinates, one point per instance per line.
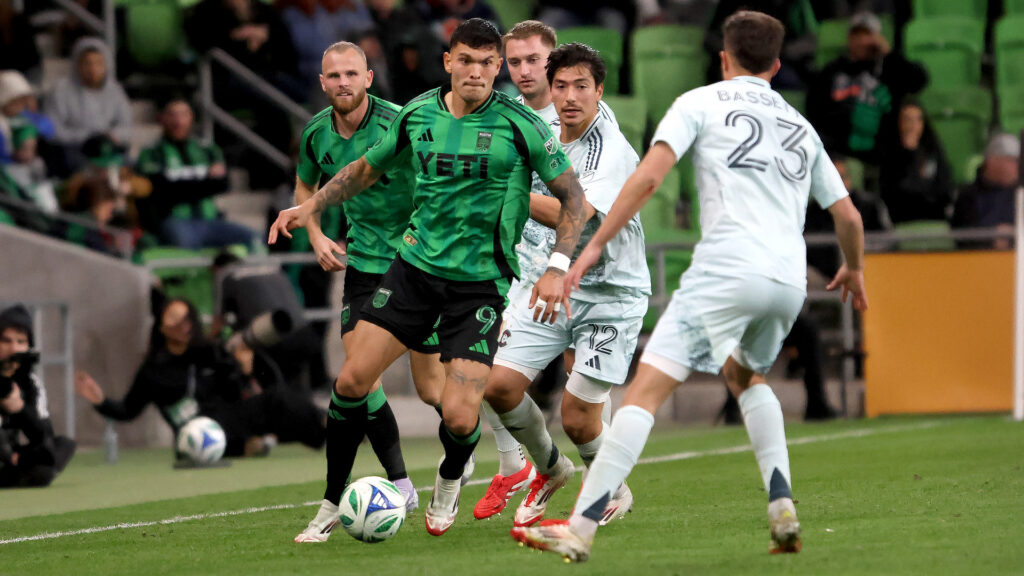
(357, 100)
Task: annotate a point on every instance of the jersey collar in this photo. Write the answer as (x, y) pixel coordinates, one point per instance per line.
(446, 88)
(753, 80)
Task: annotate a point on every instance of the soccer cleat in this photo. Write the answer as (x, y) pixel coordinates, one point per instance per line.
(620, 504)
(554, 536)
(444, 505)
(543, 486)
(783, 527)
(502, 489)
(320, 527)
(412, 499)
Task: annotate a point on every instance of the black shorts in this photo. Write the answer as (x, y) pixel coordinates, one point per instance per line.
(359, 288)
(413, 304)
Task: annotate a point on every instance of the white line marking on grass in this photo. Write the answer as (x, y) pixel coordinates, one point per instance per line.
(650, 460)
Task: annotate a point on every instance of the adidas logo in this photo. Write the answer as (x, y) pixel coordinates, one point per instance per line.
(594, 362)
(480, 347)
(426, 136)
(327, 160)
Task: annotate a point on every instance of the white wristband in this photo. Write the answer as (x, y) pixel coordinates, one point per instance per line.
(559, 261)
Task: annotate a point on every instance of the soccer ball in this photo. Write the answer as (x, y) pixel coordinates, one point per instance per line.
(202, 440)
(372, 509)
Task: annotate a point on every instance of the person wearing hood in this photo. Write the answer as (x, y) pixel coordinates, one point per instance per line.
(23, 410)
(89, 102)
(988, 201)
(18, 106)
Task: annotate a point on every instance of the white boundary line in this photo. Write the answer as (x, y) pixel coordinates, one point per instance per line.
(651, 460)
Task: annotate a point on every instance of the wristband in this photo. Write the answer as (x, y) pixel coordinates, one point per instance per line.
(559, 261)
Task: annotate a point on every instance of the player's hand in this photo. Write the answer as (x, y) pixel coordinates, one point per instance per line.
(326, 249)
(288, 220)
(548, 297)
(587, 258)
(852, 282)
(88, 388)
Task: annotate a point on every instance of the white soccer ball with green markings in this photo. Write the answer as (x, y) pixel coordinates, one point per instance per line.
(372, 509)
(202, 440)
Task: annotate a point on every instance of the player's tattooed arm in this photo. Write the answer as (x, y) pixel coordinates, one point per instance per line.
(351, 180)
(573, 215)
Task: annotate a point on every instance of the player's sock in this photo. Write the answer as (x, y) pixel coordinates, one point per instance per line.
(606, 413)
(510, 455)
(437, 408)
(457, 450)
(382, 430)
(526, 423)
(620, 450)
(762, 415)
(346, 426)
(588, 451)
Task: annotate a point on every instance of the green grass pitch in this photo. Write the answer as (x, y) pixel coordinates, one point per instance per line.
(888, 496)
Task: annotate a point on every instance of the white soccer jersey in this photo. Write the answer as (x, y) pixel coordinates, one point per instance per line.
(757, 161)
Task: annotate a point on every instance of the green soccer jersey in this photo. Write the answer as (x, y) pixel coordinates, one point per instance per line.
(472, 192)
(379, 215)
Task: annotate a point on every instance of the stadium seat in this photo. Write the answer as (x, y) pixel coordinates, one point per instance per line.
(924, 227)
(1013, 7)
(950, 48)
(976, 9)
(607, 42)
(153, 32)
(193, 284)
(668, 60)
(961, 119)
(1011, 109)
(831, 41)
(512, 11)
(631, 114)
(1009, 51)
(795, 98)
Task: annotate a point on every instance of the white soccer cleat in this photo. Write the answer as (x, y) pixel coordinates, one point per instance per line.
(554, 536)
(783, 527)
(412, 499)
(620, 504)
(541, 489)
(444, 505)
(320, 527)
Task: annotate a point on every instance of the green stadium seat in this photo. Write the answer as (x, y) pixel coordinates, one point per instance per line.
(192, 284)
(832, 38)
(510, 12)
(976, 9)
(1009, 51)
(6, 218)
(631, 114)
(607, 42)
(1011, 109)
(153, 32)
(1013, 7)
(950, 48)
(668, 60)
(961, 119)
(795, 98)
(924, 227)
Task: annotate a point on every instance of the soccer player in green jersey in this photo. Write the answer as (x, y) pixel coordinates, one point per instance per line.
(473, 150)
(339, 134)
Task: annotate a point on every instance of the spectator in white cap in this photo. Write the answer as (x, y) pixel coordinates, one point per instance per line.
(988, 202)
(18, 104)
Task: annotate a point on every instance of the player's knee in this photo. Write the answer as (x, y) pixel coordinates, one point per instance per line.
(460, 422)
(580, 426)
(352, 384)
(430, 395)
(502, 395)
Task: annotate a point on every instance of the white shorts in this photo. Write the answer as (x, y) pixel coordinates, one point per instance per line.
(604, 335)
(710, 317)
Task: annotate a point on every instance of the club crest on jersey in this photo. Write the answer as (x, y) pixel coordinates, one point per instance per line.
(483, 141)
(551, 145)
(409, 240)
(381, 297)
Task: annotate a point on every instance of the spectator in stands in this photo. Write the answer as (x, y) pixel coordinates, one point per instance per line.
(348, 19)
(988, 202)
(18, 105)
(17, 205)
(611, 14)
(185, 376)
(29, 170)
(412, 50)
(443, 16)
(104, 160)
(915, 179)
(18, 49)
(186, 173)
(853, 103)
(97, 202)
(23, 410)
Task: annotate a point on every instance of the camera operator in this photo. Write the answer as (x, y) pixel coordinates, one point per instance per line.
(42, 455)
(185, 376)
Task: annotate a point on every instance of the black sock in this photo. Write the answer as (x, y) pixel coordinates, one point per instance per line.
(437, 408)
(382, 430)
(346, 426)
(457, 450)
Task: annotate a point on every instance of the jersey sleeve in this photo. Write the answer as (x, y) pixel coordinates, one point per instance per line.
(308, 169)
(546, 156)
(393, 149)
(602, 185)
(680, 126)
(827, 186)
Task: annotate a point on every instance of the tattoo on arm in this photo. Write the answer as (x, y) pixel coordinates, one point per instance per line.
(351, 180)
(566, 187)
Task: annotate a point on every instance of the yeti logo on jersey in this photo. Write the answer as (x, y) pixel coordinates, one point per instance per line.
(381, 297)
(483, 141)
(551, 145)
(451, 165)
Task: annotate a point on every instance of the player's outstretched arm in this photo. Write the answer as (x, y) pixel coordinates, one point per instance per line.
(548, 293)
(325, 248)
(850, 230)
(548, 210)
(637, 190)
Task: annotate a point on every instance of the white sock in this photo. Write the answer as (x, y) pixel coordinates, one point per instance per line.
(762, 415)
(589, 450)
(606, 412)
(619, 452)
(527, 425)
(510, 455)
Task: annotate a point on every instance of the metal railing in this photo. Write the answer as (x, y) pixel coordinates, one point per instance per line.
(212, 113)
(123, 238)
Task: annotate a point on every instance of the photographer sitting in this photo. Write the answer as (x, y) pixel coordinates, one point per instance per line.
(23, 413)
(185, 377)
